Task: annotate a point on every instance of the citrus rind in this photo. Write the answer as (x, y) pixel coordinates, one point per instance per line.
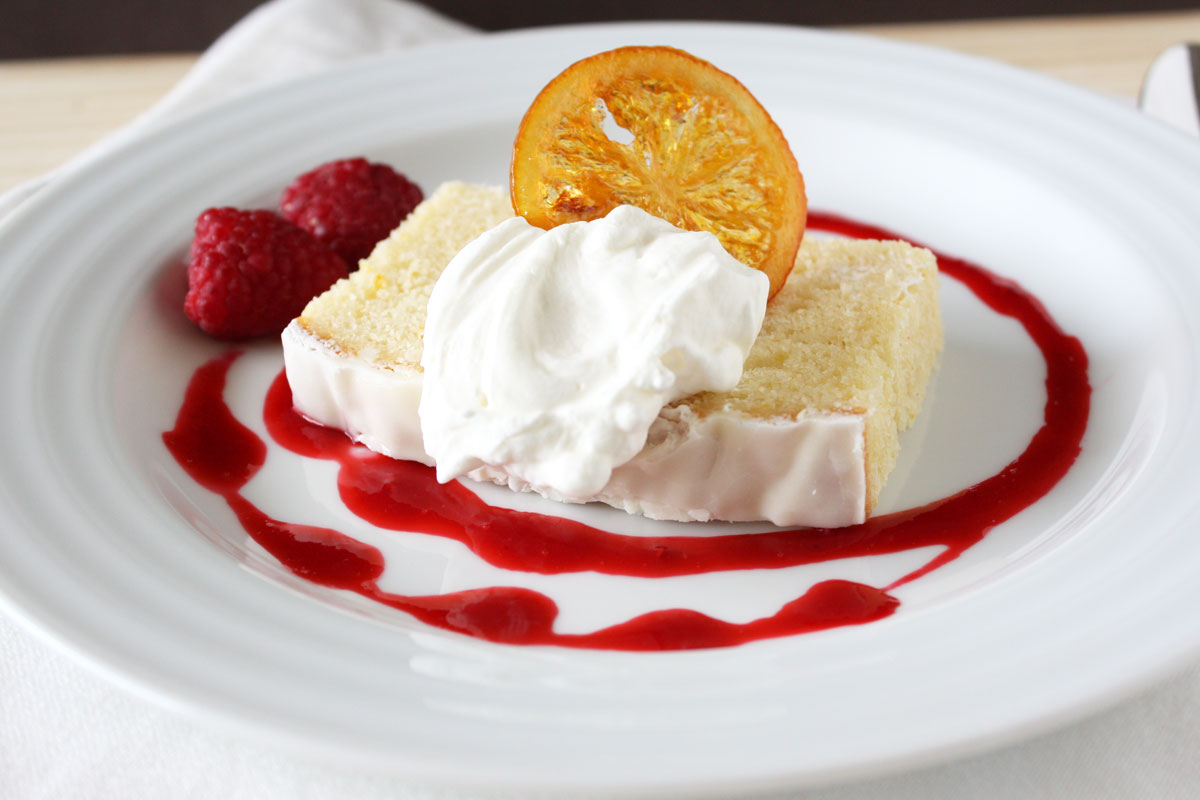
(660, 129)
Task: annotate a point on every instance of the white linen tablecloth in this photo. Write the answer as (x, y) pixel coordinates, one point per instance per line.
(68, 733)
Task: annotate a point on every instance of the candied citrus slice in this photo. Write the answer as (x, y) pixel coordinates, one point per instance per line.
(660, 129)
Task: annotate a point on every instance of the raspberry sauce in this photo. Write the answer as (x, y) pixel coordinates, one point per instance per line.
(222, 455)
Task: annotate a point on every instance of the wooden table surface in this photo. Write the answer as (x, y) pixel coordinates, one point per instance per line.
(50, 110)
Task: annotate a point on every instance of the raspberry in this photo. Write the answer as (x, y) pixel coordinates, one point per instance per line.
(350, 205)
(251, 272)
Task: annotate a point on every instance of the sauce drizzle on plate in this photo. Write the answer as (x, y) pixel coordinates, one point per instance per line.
(221, 454)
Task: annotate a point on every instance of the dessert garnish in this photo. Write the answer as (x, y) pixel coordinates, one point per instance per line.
(250, 272)
(662, 130)
(350, 204)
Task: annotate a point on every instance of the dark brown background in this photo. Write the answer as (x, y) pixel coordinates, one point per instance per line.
(43, 28)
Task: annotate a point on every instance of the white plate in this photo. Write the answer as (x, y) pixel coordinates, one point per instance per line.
(111, 550)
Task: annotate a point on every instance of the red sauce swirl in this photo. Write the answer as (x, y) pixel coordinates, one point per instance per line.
(221, 454)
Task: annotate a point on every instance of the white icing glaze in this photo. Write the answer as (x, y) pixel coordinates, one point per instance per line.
(804, 471)
(373, 405)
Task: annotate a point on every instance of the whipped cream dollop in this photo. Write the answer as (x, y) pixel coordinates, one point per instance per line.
(548, 354)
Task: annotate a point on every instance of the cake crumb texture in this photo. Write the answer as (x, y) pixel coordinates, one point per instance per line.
(378, 312)
(856, 328)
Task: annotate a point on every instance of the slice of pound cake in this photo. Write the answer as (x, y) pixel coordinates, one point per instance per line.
(807, 437)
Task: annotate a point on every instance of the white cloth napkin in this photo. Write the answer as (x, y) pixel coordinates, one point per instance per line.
(278, 40)
(66, 733)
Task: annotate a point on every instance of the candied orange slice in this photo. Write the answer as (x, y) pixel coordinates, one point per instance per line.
(660, 129)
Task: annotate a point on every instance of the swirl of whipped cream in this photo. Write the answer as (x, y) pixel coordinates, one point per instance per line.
(549, 354)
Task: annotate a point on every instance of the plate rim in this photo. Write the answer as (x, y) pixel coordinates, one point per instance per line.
(47, 196)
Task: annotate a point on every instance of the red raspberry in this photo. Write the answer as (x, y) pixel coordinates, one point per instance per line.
(251, 272)
(350, 205)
